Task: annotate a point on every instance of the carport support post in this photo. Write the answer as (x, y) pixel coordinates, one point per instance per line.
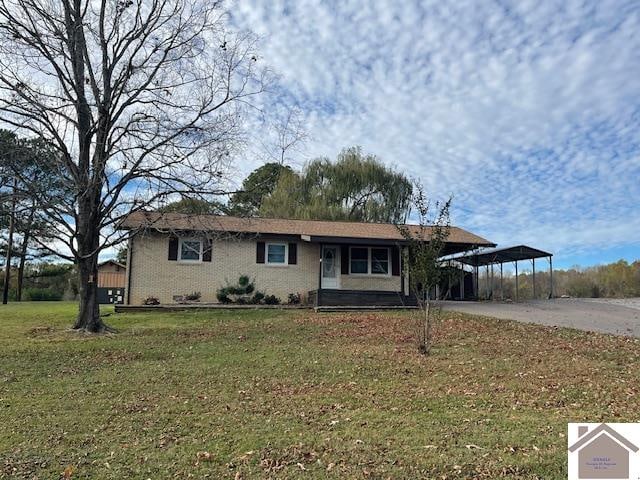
(533, 260)
(516, 262)
(461, 281)
(550, 277)
(486, 271)
(501, 289)
(477, 285)
(492, 281)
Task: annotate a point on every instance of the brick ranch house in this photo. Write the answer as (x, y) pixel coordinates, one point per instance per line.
(326, 262)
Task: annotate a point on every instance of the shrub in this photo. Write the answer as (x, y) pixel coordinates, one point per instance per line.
(271, 300)
(194, 297)
(41, 295)
(257, 298)
(294, 299)
(223, 295)
(245, 284)
(238, 293)
(151, 301)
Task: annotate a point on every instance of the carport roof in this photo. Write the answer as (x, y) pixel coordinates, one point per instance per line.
(502, 255)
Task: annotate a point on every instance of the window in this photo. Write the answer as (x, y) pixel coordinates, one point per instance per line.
(359, 260)
(380, 261)
(369, 261)
(277, 253)
(190, 250)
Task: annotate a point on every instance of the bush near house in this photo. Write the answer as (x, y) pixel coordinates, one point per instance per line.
(240, 293)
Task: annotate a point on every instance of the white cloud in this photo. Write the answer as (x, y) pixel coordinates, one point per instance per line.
(528, 113)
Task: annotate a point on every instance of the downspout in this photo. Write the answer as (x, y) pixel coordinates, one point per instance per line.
(319, 277)
(129, 257)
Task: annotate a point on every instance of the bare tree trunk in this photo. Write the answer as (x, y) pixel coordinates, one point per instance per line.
(26, 236)
(89, 313)
(424, 322)
(23, 259)
(88, 248)
(7, 267)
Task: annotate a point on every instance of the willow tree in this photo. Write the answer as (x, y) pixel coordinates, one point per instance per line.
(356, 187)
(141, 99)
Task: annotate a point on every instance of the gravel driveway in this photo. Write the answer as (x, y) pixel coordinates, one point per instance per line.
(617, 316)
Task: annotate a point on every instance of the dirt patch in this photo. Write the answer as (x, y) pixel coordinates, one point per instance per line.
(40, 331)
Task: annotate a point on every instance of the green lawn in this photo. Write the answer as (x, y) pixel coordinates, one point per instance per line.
(255, 394)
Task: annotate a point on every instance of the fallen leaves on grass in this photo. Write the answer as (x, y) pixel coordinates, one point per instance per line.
(203, 457)
(68, 472)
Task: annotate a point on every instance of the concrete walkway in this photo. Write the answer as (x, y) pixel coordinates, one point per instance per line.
(599, 315)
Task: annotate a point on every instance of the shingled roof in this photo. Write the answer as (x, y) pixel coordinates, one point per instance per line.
(310, 228)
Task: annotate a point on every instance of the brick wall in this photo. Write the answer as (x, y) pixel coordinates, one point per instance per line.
(154, 275)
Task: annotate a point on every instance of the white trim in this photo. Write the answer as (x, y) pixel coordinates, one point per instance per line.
(370, 263)
(336, 260)
(192, 239)
(276, 264)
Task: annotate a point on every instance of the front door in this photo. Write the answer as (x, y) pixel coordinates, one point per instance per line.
(330, 266)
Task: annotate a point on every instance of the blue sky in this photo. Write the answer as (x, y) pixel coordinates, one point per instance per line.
(527, 112)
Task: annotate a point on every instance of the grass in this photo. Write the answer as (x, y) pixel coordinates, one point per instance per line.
(273, 394)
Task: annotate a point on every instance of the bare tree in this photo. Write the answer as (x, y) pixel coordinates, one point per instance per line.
(141, 99)
(7, 262)
(290, 136)
(426, 242)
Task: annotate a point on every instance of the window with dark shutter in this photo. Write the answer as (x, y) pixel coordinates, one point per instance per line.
(395, 261)
(344, 260)
(173, 249)
(260, 252)
(293, 253)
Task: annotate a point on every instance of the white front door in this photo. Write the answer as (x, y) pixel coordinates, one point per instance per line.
(330, 266)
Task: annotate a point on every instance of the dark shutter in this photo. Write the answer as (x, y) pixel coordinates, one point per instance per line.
(344, 260)
(395, 261)
(293, 253)
(206, 250)
(173, 248)
(260, 252)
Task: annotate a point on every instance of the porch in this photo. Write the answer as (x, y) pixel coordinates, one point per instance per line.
(359, 298)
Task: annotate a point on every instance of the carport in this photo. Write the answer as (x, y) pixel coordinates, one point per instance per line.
(500, 256)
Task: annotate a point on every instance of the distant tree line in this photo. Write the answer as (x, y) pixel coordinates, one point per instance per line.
(44, 281)
(615, 280)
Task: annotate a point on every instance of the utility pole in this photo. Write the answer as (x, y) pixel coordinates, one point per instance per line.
(7, 265)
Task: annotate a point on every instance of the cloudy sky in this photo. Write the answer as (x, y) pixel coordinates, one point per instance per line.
(527, 112)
